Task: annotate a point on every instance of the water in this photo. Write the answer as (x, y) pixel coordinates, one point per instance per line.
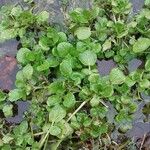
(105, 66)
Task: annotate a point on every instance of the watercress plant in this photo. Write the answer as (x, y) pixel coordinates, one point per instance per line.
(69, 98)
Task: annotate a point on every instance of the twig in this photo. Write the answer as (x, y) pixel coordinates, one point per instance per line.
(143, 141)
(76, 110)
(39, 133)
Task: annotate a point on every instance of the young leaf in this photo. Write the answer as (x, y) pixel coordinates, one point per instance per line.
(88, 58)
(83, 33)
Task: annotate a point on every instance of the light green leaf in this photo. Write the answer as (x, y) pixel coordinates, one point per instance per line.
(43, 16)
(64, 48)
(107, 45)
(44, 66)
(88, 58)
(53, 100)
(95, 101)
(15, 95)
(28, 71)
(2, 96)
(16, 11)
(69, 100)
(141, 45)
(147, 65)
(7, 138)
(145, 83)
(21, 55)
(7, 110)
(57, 113)
(56, 87)
(66, 68)
(55, 130)
(83, 33)
(62, 37)
(117, 76)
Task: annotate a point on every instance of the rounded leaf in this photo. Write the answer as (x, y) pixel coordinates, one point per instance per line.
(88, 58)
(69, 100)
(141, 45)
(57, 113)
(66, 68)
(28, 71)
(55, 130)
(117, 76)
(63, 48)
(83, 33)
(21, 55)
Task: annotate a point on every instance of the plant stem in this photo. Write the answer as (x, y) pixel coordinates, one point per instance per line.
(43, 140)
(83, 103)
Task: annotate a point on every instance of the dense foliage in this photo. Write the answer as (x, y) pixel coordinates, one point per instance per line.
(69, 99)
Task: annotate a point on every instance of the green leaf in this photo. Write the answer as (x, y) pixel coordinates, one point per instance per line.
(7, 34)
(147, 65)
(107, 45)
(15, 95)
(28, 71)
(2, 96)
(88, 58)
(117, 76)
(56, 87)
(69, 100)
(147, 2)
(7, 110)
(62, 37)
(95, 101)
(55, 130)
(16, 11)
(66, 68)
(44, 66)
(7, 138)
(57, 113)
(83, 33)
(53, 100)
(64, 48)
(145, 83)
(107, 91)
(43, 16)
(141, 45)
(21, 55)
